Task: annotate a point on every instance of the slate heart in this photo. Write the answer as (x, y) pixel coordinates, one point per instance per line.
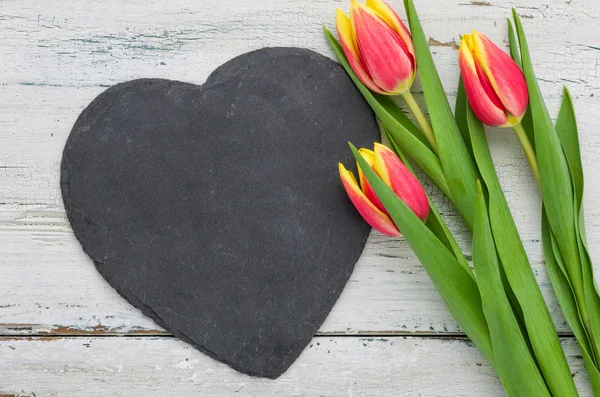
(217, 209)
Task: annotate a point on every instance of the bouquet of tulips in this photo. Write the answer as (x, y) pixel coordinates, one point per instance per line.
(497, 301)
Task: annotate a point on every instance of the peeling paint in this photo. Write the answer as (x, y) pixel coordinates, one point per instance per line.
(100, 330)
(28, 338)
(18, 327)
(37, 330)
(435, 43)
(32, 330)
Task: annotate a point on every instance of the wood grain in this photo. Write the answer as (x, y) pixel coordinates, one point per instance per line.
(57, 314)
(49, 284)
(330, 366)
(40, 249)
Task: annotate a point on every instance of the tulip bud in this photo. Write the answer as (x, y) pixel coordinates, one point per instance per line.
(494, 83)
(397, 176)
(378, 47)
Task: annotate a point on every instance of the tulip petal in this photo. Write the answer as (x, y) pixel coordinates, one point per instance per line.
(504, 74)
(373, 216)
(483, 107)
(348, 41)
(402, 182)
(488, 88)
(369, 157)
(382, 52)
(390, 16)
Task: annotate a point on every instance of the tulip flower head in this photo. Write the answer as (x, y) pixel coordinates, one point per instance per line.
(494, 83)
(397, 176)
(378, 47)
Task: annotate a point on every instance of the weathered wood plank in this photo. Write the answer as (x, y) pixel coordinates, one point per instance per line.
(57, 56)
(85, 43)
(329, 367)
(47, 281)
(55, 59)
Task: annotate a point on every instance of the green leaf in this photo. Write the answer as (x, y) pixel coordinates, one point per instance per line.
(460, 114)
(434, 222)
(538, 323)
(396, 122)
(562, 189)
(456, 287)
(527, 120)
(557, 190)
(459, 168)
(566, 128)
(515, 365)
(512, 40)
(566, 299)
(559, 194)
(562, 286)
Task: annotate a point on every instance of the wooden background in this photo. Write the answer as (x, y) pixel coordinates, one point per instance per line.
(65, 332)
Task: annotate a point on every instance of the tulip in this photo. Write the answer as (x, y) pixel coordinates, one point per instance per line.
(496, 88)
(378, 47)
(494, 83)
(397, 176)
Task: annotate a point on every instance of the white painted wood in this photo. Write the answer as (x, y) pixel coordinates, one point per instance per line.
(56, 56)
(48, 281)
(68, 43)
(342, 366)
(52, 67)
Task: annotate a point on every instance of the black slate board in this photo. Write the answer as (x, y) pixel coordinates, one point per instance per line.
(217, 209)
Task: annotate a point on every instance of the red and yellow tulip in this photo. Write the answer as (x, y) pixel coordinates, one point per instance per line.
(397, 176)
(494, 83)
(378, 47)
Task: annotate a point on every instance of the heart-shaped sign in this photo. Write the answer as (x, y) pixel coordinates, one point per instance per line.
(217, 209)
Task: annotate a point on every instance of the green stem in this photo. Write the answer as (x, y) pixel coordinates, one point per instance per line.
(528, 149)
(421, 119)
